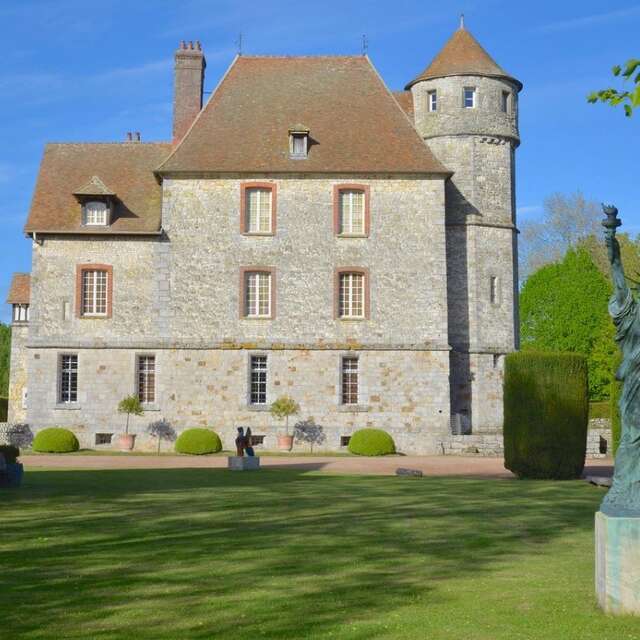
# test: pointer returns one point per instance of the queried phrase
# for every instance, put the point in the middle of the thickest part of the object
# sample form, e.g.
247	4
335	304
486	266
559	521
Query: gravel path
429	465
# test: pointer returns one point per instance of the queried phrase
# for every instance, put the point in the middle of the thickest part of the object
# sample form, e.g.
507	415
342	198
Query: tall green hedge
546	413
4	408
614	399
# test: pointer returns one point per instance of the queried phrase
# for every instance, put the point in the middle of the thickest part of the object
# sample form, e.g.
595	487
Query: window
103	438
146	366
21	313
349	380
258	210
94	292
68	376
351	210
352	302
258	294
432	98
344	441
299	145
258	391
493	289
469	100
505	102
96	213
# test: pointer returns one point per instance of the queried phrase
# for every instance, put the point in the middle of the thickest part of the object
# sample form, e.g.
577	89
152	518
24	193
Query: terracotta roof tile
405	100
126	167
462	55
355	125
94	187
20	290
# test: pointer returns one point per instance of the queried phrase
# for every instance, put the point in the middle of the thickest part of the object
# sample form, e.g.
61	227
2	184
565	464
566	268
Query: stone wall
17	399
405	392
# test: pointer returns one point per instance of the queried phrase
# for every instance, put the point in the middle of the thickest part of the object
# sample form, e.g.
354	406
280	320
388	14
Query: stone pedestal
245	463
618	563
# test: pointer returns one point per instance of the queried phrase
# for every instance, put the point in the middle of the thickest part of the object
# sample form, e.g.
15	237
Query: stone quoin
371	252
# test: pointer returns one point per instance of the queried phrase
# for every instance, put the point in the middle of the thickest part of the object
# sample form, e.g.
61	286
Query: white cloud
588	21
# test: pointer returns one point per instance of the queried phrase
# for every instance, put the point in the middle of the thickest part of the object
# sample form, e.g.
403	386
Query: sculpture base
244	463
618	563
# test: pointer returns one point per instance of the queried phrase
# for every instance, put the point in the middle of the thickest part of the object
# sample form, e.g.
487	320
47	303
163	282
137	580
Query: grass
199	553
599	410
224	453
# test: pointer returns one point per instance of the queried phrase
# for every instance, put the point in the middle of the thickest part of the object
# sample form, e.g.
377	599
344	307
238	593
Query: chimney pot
137	136
198	45
129	136
183	44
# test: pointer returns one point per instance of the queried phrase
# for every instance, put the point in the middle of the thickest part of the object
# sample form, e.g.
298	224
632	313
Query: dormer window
96	213
298	142
21	313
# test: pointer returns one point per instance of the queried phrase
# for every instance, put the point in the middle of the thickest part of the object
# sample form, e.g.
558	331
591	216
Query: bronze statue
623	499
244	443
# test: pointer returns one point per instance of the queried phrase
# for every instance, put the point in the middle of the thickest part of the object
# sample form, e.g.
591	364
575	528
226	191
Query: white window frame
347	302
253	292
347	369
258	379
472	91
346	220
96	217
71	396
432	101
90	311
304	138
21	312
146	372
256	226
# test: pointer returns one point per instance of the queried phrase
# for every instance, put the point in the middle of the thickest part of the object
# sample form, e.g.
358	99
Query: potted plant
162	430
284	407
129	405
13	468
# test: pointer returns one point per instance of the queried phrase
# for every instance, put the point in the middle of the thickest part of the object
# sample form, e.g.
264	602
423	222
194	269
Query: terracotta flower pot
285	443
126	442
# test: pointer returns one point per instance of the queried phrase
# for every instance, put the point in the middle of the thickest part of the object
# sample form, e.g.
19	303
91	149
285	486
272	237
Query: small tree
162	430
284	407
130	405
309	431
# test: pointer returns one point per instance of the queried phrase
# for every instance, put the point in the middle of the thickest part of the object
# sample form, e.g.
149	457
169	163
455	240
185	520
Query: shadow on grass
201	553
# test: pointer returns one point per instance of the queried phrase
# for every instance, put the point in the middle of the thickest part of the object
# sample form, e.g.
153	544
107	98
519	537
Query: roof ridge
306	56
125	143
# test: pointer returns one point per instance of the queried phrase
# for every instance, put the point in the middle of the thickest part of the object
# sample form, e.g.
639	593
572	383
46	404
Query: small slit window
504	105
469	98
493	290
432	100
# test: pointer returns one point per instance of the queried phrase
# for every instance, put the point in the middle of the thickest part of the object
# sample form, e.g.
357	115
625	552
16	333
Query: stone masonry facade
440	256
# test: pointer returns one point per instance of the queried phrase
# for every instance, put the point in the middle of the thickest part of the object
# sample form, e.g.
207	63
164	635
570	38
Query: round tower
466	109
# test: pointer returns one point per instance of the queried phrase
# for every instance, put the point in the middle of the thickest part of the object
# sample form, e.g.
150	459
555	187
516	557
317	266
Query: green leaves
614	97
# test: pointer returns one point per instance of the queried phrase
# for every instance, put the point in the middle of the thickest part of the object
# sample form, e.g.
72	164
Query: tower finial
462	20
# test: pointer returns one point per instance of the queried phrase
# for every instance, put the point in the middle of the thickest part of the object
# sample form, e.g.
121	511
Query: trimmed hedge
198	442
371	442
546	413
614	404
4	409
55	440
10	453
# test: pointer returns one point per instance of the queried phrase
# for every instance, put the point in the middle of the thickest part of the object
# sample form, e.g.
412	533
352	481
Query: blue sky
81	70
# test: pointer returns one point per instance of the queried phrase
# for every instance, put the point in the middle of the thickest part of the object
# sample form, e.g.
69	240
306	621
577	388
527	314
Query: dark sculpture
244	443
623	499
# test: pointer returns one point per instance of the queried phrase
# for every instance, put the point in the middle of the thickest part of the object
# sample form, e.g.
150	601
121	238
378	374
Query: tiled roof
405	100
94	187
125	167
355	125
462	55
20	290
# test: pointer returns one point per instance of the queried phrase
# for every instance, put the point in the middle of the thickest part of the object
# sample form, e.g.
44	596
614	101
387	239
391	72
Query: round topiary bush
198	442
55	440
371	442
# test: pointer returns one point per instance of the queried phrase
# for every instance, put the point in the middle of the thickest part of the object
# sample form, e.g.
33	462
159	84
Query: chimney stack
188	86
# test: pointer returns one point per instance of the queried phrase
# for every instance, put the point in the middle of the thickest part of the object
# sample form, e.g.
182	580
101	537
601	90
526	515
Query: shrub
614	404
4	409
10	453
371	442
198	442
546	412
55	440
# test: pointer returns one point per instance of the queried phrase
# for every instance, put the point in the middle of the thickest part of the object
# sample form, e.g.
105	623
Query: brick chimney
188	84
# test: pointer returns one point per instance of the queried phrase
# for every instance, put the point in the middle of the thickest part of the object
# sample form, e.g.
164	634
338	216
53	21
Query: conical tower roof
463	55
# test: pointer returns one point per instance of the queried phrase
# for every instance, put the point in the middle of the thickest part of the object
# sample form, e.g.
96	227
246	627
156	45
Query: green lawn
198	553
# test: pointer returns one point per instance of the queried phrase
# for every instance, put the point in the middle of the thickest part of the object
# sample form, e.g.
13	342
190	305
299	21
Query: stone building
307	232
